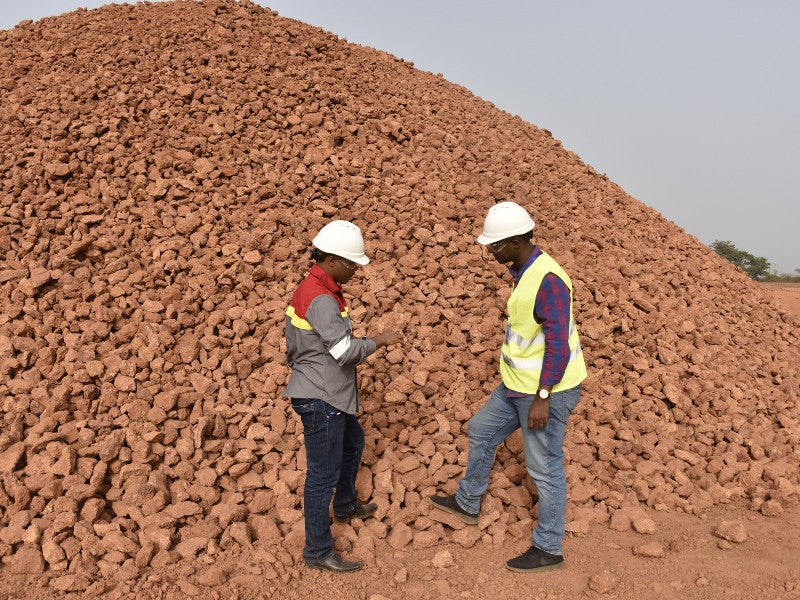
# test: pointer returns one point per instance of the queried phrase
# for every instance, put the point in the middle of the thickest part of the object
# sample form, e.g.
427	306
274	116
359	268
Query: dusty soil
696	564
787	295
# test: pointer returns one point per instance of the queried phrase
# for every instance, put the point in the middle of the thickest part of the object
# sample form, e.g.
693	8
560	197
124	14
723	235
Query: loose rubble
164	167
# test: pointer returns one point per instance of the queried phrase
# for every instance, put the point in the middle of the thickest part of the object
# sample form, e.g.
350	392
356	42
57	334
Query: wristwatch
543	394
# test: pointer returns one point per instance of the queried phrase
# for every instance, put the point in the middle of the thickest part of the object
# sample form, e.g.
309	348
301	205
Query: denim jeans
544	457
334	442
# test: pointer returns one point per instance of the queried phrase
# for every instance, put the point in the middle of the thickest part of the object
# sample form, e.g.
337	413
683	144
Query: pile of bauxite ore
164	168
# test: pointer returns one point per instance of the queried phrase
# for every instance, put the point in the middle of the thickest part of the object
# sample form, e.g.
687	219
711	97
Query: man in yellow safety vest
542	367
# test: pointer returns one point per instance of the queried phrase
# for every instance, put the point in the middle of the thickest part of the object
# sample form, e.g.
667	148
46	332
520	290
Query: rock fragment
732	531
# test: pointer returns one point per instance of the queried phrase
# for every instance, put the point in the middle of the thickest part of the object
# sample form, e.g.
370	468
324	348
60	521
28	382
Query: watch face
544	394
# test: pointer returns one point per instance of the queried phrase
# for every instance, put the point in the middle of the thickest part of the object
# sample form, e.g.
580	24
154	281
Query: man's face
342	269
504	251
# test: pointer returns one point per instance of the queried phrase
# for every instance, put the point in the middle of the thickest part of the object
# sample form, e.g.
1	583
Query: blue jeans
544	457
334	442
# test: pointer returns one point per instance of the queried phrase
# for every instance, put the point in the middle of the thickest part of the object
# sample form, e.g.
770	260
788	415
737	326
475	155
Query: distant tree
757	267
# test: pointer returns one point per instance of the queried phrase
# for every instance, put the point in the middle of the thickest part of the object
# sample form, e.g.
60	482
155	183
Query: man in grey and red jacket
323	355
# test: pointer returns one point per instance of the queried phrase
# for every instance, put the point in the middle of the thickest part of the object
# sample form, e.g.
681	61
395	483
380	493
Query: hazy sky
692	107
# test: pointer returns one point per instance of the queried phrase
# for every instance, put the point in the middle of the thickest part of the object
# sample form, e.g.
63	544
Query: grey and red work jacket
320	347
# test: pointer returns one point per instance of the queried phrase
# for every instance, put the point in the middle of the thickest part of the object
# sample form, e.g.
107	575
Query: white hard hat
342	238
505	220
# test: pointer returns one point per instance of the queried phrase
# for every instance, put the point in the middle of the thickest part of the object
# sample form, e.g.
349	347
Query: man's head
507	232
339	250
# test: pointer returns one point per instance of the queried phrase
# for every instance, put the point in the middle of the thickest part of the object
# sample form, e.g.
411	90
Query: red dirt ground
602	564
787	295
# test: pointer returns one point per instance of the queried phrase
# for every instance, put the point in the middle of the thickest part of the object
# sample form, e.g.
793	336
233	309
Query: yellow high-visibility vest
522	354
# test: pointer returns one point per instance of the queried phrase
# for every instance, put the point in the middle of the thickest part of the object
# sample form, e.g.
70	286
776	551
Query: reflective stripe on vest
512	337
536	363
522	354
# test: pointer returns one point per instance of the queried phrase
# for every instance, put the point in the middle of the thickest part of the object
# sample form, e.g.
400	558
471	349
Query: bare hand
538	413
387	338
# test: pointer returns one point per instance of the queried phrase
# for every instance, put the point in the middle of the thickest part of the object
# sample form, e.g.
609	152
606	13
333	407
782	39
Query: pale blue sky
692	107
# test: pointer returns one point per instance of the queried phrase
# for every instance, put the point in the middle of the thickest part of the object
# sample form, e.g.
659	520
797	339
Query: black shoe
361	511
535	560
449	504
334	562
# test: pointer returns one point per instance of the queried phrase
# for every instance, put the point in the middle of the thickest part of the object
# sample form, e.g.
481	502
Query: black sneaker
449	504
535	560
361	511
